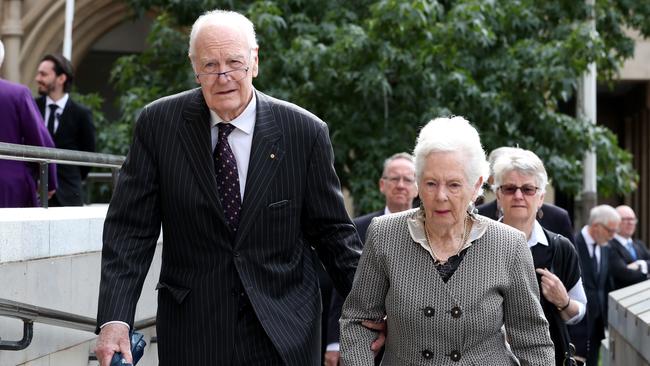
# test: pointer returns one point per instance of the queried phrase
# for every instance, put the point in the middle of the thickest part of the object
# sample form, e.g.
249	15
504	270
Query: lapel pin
272	156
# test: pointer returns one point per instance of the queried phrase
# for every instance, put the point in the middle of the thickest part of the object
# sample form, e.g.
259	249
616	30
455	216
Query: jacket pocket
178	293
278	204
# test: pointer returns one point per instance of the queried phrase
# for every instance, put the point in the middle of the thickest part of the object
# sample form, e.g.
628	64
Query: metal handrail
48	155
31	314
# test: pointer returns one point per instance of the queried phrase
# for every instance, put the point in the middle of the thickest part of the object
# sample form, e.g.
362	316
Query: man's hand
113	338
380	327
332	358
633	266
552	288
50	193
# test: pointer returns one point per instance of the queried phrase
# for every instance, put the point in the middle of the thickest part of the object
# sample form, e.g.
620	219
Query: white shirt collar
588	239
60	103
244	122
537	236
621	239
387	211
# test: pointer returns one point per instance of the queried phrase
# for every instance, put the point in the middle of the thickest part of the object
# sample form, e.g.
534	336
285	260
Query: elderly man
397	184
243	184
629	258
591	244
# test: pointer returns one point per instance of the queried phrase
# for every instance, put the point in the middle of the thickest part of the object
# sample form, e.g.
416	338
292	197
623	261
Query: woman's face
515	199
444	189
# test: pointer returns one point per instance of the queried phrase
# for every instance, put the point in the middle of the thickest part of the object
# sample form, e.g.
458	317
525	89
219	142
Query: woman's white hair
223	17
453	134
522	161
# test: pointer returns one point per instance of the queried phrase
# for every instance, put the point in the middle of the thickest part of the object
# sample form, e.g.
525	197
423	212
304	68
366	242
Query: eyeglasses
609	231
526	189
631	220
395	180
230	75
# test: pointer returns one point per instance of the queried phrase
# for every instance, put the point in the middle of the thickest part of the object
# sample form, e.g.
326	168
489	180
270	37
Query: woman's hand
553	289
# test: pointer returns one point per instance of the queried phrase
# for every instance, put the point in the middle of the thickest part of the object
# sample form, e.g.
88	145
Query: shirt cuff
336	347
114	322
643	266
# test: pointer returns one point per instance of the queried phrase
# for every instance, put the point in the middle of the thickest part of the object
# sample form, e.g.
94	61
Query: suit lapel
267	152
583	254
194	133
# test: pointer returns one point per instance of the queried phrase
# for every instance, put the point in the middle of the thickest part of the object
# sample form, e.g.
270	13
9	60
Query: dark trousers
252	345
593	345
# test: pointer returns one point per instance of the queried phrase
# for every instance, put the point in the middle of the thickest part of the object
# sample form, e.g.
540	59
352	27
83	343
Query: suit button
428	311
455	356
427	354
456	312
235	254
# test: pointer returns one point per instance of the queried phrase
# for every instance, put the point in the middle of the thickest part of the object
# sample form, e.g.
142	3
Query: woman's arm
365	302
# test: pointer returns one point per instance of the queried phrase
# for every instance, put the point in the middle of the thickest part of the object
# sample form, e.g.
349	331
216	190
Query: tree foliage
376	71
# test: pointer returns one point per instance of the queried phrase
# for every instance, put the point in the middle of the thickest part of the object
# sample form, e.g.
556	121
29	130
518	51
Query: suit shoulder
552	209
367	217
174	100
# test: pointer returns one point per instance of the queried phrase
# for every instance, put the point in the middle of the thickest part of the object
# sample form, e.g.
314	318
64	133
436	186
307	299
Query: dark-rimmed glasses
609	231
526	189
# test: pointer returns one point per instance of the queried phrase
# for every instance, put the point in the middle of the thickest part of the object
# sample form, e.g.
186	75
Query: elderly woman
447	280
519	182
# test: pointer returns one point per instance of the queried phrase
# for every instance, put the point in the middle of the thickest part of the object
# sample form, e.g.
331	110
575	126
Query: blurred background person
551	217
69	123
21	124
519	182
593	251
629	258
397	184
447	280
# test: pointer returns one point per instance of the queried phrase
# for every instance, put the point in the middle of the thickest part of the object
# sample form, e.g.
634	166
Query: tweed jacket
435	323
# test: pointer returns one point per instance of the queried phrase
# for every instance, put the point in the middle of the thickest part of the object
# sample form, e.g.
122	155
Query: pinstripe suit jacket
292	201
494	285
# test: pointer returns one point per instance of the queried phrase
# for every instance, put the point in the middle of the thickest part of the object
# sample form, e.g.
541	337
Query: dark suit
620	257
333	329
75	132
591	329
20	123
209	274
555	219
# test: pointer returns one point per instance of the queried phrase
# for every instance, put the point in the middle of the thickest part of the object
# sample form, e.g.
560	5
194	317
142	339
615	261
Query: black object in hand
137	350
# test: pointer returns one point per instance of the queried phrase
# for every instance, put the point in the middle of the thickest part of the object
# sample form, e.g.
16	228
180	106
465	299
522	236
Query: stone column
12	34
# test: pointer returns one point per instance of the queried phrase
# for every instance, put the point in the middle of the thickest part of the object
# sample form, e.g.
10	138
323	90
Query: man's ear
255	62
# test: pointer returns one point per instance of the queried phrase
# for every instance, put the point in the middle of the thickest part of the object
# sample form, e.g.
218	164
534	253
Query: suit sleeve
526	327
622	275
326	224
131	229
366	301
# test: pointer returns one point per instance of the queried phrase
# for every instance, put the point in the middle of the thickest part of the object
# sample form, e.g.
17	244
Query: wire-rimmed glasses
230	75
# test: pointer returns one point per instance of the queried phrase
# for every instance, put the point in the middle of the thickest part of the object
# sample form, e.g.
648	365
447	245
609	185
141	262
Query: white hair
453	134
2	52
401	155
526	162
603	214
227	18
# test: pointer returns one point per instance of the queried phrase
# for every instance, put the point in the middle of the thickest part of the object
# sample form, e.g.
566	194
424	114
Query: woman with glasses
446	279
519	181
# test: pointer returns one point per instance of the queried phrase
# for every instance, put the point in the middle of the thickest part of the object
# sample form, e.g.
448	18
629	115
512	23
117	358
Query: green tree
376	71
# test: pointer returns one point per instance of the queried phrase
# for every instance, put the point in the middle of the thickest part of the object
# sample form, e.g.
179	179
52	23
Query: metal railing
46	155
31	314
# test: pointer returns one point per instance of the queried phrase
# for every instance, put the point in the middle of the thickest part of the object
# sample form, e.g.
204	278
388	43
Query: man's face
628	221
219	49
398	185
47	79
605	232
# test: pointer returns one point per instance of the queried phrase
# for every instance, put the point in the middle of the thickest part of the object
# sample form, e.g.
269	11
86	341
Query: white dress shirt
628	243
60	103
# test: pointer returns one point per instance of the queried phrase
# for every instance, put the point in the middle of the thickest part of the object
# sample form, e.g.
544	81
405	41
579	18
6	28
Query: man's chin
42	92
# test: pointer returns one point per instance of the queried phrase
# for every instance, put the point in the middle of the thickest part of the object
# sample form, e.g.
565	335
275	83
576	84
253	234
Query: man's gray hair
400	155
525	162
603	214
223	17
453	134
2	52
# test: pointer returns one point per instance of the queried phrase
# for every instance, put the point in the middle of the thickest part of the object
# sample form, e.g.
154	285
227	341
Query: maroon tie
227	177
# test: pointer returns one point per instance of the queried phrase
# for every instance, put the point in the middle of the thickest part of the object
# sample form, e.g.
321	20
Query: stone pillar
12	34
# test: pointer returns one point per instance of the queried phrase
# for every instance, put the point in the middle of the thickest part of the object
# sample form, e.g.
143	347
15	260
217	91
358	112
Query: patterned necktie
50	119
225	167
630	248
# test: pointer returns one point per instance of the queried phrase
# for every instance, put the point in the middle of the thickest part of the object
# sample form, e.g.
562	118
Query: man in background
629	257
397	184
593	252
69	123
20	123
